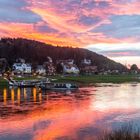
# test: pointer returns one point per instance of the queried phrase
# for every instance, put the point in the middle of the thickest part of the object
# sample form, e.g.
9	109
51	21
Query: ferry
44	84
58	86
27	83
22	84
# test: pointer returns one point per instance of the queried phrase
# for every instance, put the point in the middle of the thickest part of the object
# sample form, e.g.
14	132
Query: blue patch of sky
121	27
13	11
94	4
87	20
45	29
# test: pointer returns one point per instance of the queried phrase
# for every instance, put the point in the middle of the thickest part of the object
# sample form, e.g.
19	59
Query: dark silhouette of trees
36	53
134	67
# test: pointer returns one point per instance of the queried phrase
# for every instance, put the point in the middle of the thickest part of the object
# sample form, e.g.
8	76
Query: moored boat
59	86
26	83
22	84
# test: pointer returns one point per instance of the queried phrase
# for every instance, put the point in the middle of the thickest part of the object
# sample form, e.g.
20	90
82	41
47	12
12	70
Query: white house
70	69
22	68
40	70
86	61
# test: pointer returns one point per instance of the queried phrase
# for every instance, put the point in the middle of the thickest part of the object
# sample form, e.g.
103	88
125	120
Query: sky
108	27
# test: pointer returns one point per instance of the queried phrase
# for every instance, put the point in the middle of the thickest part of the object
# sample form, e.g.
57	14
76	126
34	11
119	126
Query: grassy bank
100	79
26	78
3	82
85	80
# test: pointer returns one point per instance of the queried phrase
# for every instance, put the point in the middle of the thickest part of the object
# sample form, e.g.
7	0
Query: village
48	68
21	67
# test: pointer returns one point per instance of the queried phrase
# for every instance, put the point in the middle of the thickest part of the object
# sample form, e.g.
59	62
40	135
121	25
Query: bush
125	132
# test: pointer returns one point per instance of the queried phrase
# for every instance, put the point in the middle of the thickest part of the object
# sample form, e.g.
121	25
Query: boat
26	83
59	86
44	84
22	84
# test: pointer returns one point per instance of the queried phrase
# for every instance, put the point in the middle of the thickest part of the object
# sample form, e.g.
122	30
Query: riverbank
83	80
99	79
3	82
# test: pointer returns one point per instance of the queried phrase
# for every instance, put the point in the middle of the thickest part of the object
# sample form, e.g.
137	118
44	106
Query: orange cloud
28	31
65	18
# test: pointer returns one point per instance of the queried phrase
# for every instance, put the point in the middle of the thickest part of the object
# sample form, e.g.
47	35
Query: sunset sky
108	27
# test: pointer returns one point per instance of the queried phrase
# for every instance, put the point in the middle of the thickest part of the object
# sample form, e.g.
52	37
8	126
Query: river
28	114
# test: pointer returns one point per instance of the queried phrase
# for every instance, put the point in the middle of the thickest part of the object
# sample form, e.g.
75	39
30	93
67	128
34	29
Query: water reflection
25	94
12	96
5	96
40	97
18	96
32	115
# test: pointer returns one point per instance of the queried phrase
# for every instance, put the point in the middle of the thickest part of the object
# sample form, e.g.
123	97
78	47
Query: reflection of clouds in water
127	116
41	125
79	114
125	96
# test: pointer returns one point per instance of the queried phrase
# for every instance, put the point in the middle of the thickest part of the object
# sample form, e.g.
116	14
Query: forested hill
36	53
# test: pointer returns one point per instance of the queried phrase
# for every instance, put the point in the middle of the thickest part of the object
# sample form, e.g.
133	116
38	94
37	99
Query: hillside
36	53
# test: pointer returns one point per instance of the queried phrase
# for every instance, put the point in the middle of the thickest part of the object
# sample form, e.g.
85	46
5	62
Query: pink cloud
63	16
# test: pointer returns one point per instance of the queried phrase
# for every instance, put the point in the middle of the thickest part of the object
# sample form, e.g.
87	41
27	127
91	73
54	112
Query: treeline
37	52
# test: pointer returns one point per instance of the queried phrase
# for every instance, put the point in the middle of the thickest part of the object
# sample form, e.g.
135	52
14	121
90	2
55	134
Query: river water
28	114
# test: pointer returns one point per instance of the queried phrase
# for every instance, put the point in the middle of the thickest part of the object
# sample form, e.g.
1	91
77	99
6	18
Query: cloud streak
78	23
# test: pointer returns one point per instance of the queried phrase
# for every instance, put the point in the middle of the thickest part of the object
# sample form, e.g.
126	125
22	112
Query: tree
3	65
134	67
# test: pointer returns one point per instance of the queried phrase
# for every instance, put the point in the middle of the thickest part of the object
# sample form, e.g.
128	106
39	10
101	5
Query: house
134	71
41	70
87	67
22	68
70	68
86	62
89	70
115	72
